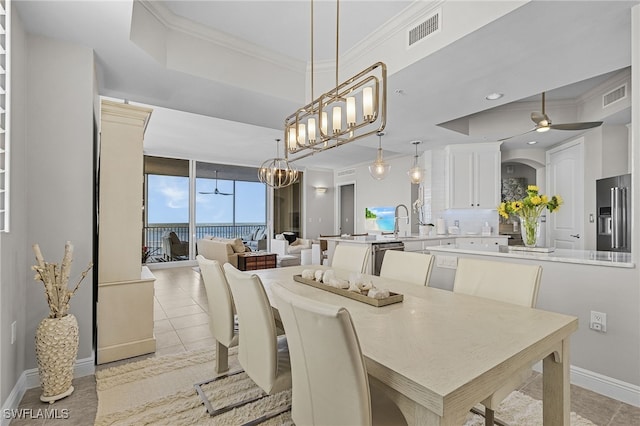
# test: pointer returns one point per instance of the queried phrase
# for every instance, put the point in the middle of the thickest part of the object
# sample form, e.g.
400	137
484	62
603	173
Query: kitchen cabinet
472	176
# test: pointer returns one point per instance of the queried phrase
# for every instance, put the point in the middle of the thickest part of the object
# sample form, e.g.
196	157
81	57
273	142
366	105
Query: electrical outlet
598	321
13	332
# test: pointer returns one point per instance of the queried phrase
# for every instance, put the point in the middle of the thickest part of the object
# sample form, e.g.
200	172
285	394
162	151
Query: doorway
346	201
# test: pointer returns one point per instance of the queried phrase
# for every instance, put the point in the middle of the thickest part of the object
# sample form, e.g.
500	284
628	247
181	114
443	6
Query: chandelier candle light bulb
337	119
351	111
311	125
367	102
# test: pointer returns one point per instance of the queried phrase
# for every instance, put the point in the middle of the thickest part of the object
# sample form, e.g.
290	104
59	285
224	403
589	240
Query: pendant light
416	173
379	169
278	172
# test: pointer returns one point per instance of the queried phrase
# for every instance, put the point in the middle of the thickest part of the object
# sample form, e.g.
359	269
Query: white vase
56	352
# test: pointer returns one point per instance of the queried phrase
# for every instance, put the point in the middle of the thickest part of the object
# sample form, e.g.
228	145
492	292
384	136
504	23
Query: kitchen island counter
584	257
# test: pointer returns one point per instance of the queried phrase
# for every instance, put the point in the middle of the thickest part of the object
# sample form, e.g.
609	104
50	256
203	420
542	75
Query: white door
565	177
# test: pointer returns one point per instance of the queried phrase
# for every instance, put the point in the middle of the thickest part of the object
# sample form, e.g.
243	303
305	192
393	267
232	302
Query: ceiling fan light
543	128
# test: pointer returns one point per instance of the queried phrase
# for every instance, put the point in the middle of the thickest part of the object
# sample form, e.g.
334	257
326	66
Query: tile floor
181	325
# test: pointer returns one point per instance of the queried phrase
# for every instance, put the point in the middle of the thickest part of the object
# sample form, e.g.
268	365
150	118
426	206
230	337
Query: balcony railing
153	234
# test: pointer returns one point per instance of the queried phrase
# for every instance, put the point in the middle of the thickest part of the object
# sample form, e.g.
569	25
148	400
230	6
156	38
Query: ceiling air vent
421	31
615	95
347	172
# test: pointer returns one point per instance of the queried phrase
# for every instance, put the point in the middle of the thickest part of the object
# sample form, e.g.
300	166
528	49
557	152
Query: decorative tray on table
393	297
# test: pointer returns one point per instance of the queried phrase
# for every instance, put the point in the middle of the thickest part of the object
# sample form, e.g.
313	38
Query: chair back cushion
174	238
351	257
407	266
329	377
515	283
257	351
221	308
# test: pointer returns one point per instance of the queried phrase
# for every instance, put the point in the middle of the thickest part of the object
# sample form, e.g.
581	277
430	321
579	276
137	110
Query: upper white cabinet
473	176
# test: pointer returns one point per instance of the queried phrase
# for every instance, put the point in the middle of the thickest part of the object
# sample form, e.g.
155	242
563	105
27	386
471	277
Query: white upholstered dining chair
407	266
330	381
351	257
515	283
261	352
221	322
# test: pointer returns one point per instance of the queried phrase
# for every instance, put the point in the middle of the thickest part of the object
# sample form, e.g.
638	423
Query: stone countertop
584	257
390	239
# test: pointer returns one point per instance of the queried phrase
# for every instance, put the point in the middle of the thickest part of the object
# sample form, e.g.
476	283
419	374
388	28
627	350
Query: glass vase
530	230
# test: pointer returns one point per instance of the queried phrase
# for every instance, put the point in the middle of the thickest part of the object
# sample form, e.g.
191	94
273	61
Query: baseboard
14	398
30	379
604	385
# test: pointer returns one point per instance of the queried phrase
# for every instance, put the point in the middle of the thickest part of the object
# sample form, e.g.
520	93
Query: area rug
159	391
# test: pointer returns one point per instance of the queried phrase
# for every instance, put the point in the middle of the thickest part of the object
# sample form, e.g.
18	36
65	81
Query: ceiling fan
543	123
216	191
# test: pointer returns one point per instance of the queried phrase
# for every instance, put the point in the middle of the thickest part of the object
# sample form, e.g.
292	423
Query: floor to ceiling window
227	201
166	210
230	202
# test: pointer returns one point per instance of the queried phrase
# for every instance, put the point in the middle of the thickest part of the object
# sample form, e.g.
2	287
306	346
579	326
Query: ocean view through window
228	202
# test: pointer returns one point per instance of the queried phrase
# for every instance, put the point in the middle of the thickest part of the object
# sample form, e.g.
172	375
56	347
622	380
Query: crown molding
174	22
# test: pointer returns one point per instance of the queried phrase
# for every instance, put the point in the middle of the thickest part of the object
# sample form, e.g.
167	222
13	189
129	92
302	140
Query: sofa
257	239
221	249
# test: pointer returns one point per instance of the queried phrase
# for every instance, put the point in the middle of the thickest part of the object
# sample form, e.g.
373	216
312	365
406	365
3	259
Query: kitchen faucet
396	228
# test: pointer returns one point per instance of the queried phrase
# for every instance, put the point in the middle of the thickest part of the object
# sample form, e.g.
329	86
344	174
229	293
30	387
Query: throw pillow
238	245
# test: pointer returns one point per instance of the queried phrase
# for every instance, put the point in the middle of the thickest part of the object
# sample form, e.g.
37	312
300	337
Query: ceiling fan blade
577	126
206	193
520	134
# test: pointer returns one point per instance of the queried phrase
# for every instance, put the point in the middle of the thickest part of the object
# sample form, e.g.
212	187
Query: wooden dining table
436	354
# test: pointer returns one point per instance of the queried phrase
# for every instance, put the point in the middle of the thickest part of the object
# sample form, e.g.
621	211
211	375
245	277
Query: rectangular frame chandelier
333	119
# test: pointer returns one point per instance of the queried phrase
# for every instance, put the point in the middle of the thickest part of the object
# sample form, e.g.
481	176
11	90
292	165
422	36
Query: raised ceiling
224	112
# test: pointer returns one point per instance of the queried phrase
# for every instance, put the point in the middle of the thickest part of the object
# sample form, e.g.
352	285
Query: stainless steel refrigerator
613	204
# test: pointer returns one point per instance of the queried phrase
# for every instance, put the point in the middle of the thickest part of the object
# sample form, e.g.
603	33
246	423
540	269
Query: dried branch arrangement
55	279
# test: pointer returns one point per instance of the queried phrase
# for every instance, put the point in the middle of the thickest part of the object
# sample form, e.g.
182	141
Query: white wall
59	185
14	273
319	207
393	190
615	153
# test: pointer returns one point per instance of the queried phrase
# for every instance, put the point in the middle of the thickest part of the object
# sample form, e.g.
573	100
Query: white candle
337	119
302	134
292	138
351	111
367	102
311	129
324	123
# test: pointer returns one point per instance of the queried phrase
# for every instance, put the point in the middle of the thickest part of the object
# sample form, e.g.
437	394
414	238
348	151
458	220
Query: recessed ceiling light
494	96
532	142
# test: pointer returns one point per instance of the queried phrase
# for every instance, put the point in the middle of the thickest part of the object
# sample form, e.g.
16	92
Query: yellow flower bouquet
529	210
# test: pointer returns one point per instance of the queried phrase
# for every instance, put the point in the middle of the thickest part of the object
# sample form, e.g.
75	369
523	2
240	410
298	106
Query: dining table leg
556	387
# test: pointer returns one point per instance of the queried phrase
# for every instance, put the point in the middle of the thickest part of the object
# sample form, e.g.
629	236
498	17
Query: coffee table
250	261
